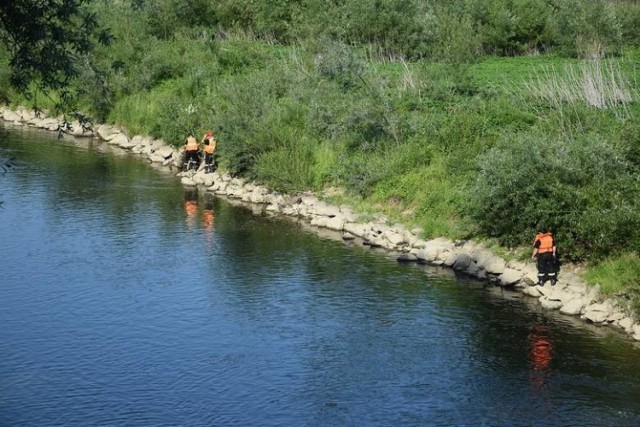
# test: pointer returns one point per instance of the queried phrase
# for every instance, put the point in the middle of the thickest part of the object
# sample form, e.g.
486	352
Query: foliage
583	190
287	165
46	39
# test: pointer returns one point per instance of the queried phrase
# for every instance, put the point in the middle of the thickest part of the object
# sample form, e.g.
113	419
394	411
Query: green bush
176	120
288	166
397	27
581	28
629	16
455	39
339	63
514	27
582	189
360	173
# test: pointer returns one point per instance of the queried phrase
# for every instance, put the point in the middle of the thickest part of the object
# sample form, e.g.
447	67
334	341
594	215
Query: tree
46	39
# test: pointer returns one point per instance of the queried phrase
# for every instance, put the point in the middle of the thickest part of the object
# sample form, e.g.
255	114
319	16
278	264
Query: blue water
126	300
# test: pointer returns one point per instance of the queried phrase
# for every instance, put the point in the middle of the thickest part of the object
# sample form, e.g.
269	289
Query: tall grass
595	83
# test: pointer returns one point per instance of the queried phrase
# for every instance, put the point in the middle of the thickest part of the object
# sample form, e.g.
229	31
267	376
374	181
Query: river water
126	300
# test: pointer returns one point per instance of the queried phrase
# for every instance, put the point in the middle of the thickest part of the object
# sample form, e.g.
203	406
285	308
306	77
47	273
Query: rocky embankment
571	295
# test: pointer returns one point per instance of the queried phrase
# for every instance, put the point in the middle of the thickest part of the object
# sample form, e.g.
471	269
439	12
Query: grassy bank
484	132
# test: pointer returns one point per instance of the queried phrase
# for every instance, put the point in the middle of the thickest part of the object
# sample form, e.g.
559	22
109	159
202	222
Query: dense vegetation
467	118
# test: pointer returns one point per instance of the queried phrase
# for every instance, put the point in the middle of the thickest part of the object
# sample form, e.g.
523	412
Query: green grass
616	275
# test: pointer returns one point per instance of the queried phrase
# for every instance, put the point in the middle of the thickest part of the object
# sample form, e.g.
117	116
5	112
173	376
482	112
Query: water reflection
190	210
540	356
208	220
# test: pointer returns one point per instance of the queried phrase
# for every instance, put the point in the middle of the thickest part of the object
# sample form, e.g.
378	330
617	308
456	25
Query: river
127	300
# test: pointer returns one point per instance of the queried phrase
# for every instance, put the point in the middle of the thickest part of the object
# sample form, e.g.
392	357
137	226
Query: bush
512	27
585	29
456	39
339	63
583	190
287	166
176	121
397	27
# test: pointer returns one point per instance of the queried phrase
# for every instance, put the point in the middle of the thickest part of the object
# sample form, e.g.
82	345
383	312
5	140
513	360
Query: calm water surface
126	300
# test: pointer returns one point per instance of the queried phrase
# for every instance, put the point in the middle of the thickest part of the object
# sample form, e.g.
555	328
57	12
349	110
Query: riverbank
571	296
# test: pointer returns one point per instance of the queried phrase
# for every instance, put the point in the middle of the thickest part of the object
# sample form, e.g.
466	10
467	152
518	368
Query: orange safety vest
192	144
211	147
546	242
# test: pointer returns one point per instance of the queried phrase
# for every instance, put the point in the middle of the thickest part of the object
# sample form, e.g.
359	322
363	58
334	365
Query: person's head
543	229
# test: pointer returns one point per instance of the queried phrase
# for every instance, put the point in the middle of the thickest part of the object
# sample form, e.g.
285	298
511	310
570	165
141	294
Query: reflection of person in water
191	208
540	356
191	211
207	219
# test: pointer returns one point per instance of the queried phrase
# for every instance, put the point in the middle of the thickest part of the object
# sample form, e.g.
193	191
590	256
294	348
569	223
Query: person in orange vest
210	145
191	150
544	251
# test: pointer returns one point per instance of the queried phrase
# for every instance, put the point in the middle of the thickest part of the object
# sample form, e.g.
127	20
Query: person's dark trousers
546	268
192	155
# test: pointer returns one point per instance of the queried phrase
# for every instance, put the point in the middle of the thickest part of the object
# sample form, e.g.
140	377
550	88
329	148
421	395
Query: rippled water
127	301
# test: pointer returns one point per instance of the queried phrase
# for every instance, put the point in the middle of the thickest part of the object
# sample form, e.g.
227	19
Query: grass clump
619	276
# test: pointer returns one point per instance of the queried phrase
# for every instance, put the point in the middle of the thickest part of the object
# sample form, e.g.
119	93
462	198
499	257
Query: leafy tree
46	40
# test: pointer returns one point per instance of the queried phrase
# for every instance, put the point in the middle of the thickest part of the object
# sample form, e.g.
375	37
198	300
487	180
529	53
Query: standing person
544	250
191	150
210	145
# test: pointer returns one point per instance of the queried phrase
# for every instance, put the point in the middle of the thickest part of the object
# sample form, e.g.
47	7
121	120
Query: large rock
107	132
119	139
597	313
324	209
627	324
11	116
494	265
545	302
164	152
356	229
458	261
393	237
532	291
336	223
432	250
573	307
510	277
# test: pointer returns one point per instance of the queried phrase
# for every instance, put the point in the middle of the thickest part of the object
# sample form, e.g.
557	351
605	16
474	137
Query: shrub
287	166
455	38
339	63
176	121
583	190
585	29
